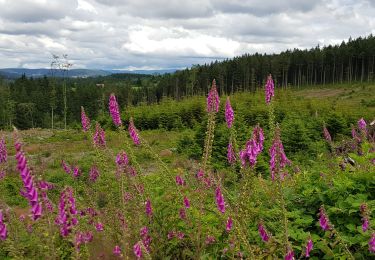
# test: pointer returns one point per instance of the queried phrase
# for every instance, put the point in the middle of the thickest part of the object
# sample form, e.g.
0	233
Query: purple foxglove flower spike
231	154
186	202
122	159
269	89
99	136
76	172
94	173
229	114
323	219
180	235
84	120
289	255
30	192
3	228
365	224
371	243
327	135
117	251
213	100
200	174
362	125
229	224
66	218
137	250
210	240
263	232
258	136
148	208
99	226
278	159
309	247
133	132
114	110
3	151
66	167
182	213
220	200
180	181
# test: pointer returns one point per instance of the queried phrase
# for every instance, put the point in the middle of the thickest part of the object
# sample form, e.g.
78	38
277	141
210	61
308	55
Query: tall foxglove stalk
84	120
3	151
133	132
229	114
269	89
30	191
114	110
213	102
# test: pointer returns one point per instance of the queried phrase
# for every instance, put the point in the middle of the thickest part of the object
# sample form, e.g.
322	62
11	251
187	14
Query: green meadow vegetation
166	200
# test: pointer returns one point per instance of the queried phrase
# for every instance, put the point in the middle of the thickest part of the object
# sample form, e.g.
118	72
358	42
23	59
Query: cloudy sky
160	34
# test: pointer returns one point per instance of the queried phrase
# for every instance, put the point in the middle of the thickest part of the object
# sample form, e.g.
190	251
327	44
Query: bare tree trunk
52	118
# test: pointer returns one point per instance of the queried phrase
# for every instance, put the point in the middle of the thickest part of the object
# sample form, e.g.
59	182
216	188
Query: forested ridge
55	102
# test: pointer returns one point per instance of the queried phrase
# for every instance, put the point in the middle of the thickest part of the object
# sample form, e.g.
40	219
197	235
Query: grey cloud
162	9
166	34
264	7
35	11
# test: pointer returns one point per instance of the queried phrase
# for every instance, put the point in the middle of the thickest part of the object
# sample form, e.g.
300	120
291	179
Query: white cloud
170	33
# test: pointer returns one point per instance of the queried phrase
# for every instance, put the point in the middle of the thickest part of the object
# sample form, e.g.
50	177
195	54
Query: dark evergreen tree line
28	102
351	61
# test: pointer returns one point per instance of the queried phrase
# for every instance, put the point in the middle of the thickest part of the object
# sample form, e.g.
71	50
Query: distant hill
13	73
